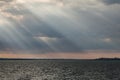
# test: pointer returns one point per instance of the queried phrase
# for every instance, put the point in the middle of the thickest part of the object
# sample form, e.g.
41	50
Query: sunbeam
59	26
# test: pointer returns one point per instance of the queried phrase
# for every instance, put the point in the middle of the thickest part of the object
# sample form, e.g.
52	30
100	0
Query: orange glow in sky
85	55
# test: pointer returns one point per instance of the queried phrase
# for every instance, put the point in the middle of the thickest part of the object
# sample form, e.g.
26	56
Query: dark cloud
6	0
111	1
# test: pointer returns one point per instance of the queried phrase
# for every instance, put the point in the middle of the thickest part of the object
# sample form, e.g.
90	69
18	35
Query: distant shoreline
59	59
39	59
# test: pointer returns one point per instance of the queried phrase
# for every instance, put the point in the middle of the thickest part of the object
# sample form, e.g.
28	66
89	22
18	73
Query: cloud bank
111	1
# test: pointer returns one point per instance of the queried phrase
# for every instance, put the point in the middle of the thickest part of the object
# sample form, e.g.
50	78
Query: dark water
59	70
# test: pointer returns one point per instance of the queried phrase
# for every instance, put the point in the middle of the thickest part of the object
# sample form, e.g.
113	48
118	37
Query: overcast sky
64	27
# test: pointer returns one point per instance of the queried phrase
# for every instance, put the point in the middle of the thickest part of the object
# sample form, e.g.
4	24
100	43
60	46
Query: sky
77	29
